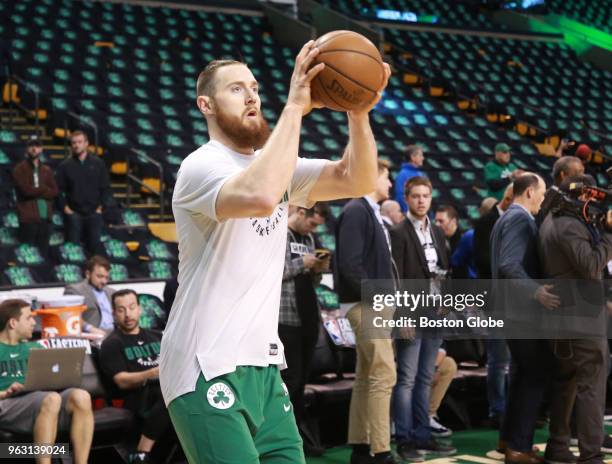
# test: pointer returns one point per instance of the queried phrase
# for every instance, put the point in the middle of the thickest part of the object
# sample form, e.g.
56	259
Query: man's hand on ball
379	94
303	74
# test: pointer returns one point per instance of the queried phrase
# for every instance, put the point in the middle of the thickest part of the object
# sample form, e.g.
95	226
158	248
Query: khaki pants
445	375
370	410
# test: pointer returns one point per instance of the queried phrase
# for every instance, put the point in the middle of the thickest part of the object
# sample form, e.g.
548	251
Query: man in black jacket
84	189
420	252
570	248
362	254
565	167
482	234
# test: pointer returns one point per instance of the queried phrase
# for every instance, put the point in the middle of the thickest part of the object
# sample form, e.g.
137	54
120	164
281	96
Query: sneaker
408	452
433	447
559	456
437	429
606	446
573	441
139	457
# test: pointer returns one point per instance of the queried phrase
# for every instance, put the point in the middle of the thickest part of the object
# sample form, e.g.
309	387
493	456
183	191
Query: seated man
40	413
98	318
130	357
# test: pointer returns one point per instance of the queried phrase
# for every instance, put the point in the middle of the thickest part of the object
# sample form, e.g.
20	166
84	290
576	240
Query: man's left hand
374	102
322	265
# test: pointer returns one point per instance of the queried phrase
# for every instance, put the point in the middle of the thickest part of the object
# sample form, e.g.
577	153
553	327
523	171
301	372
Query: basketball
353	72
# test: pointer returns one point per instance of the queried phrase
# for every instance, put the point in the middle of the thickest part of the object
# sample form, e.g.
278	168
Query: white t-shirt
225	313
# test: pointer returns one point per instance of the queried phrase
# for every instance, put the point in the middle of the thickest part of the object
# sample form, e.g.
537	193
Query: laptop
54	369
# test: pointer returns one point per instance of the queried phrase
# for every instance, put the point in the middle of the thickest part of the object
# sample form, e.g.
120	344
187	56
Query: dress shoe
564	456
518	457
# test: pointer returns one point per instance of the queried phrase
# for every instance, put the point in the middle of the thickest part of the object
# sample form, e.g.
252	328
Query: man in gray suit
514	256
98	318
571	248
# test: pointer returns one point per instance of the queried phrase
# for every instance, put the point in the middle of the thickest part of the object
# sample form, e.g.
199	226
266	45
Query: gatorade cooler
61	316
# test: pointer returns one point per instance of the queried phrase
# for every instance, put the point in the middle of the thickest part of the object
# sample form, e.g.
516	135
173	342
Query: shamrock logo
220	396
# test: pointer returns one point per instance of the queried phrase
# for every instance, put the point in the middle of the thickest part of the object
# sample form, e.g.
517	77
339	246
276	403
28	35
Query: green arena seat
68	273
18	276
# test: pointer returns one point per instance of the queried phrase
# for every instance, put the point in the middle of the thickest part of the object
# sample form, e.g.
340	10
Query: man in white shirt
220	351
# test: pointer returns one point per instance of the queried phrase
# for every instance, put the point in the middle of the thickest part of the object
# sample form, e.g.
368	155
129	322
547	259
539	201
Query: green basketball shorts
244	417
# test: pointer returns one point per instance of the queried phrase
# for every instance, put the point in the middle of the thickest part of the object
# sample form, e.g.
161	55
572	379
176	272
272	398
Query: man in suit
98	318
420	252
572	249
514	256
363	254
498	356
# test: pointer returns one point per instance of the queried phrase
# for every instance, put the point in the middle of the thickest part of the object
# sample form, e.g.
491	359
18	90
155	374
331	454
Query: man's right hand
13	389
546	298
309	260
67	210
299	90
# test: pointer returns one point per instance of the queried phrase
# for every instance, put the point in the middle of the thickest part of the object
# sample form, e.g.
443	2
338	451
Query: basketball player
220	353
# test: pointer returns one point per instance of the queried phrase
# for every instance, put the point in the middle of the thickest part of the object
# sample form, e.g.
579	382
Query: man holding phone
298	323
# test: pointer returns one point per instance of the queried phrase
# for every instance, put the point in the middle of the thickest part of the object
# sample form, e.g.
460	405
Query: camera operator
572	246
568	166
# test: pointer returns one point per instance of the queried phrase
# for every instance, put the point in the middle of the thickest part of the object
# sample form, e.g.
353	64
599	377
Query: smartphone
322	253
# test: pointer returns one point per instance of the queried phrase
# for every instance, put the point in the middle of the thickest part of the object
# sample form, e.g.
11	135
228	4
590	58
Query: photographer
568	166
573	246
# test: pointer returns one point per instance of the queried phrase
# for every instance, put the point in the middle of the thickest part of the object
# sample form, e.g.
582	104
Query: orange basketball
353	72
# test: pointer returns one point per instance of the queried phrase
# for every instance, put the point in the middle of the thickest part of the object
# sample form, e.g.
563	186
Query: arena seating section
131	70
596	14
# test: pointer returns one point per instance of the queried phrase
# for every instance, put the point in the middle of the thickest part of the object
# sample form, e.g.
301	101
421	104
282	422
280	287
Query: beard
243	133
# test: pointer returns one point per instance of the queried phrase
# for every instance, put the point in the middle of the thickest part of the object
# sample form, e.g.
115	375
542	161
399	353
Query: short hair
78	132
415	182
320	208
386	206
562	165
122	293
486	205
412	149
451	211
523	182
205	84
11	309
383	164
97	260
